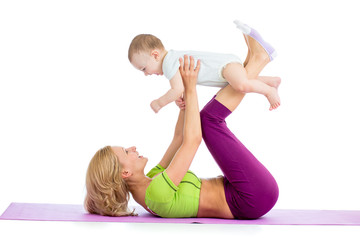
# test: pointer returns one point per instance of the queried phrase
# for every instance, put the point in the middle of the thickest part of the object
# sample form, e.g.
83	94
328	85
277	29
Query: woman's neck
138	189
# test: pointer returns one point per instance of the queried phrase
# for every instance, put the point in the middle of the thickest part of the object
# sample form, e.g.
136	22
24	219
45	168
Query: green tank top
163	198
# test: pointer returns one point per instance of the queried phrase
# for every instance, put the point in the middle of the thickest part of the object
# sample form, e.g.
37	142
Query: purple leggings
250	190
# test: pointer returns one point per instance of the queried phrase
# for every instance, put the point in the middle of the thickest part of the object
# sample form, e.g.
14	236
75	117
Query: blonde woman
246	191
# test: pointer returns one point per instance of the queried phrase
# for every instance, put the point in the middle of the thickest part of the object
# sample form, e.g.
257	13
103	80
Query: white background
68	89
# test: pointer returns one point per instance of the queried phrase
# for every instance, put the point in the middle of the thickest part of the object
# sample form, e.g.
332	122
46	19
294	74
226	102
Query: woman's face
130	160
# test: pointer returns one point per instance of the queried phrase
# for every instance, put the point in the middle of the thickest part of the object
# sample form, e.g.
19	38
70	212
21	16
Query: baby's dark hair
144	43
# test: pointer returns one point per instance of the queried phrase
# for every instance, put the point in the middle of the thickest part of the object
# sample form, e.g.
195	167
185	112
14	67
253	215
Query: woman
246	191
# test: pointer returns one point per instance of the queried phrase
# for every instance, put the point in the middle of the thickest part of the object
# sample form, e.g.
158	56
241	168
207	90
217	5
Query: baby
147	54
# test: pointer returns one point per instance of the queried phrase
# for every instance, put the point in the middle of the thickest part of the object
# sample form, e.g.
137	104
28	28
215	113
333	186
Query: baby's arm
177	88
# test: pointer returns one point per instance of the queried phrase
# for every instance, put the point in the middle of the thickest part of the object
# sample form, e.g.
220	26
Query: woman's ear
126	174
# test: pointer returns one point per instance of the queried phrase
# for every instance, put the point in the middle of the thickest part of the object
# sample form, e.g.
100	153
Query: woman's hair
144	43
107	192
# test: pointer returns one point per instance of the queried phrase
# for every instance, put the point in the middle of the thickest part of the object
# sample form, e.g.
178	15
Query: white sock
243	27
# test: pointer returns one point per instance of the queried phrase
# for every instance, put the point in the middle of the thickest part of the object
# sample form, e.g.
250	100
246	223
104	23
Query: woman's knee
207	115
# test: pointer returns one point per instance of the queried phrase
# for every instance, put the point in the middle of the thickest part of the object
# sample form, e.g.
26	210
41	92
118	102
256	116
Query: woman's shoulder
155	171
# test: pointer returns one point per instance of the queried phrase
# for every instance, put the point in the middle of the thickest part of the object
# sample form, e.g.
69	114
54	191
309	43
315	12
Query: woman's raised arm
176	141
192	126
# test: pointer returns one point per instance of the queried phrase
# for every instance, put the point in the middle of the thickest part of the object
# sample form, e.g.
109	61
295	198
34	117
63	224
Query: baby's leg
237	77
271	81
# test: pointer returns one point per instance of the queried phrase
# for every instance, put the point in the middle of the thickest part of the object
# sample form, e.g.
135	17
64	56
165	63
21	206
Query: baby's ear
155	53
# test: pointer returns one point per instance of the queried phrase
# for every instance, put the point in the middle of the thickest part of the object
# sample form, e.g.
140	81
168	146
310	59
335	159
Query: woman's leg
250	189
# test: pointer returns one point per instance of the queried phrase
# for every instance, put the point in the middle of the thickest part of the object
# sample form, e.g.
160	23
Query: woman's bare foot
273	98
257	58
257	61
256	36
248	53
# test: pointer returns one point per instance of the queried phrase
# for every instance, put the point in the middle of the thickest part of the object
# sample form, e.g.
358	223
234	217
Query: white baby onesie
211	67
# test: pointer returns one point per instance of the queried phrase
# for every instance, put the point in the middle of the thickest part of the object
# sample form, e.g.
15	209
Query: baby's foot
273	98
255	35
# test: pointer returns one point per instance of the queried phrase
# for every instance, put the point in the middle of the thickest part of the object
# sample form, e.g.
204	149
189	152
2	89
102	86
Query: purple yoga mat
76	213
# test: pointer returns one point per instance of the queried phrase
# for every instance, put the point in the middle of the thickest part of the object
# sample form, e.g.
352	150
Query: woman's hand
188	73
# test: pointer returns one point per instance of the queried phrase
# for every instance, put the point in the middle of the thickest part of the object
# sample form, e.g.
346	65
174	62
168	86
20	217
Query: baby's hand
155	106
180	103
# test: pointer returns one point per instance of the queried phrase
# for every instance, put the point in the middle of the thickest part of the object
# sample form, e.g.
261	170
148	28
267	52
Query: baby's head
146	53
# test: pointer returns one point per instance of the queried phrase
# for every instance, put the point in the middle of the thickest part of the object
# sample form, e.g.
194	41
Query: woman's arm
175	143
192	126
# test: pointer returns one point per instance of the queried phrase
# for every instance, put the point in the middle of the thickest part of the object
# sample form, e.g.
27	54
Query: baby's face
147	63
